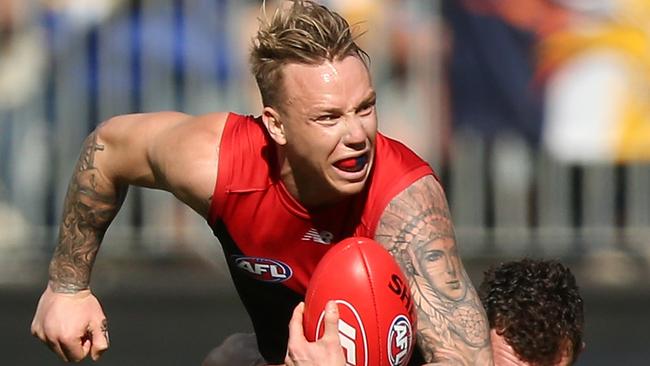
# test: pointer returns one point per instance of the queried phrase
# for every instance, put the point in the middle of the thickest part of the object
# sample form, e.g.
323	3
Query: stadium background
478	88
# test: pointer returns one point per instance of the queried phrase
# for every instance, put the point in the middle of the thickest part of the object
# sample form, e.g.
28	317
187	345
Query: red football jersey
271	242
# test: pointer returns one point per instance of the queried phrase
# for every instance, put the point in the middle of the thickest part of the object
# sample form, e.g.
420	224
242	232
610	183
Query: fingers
53	344
100	340
296	331
288	361
72	325
324	351
72	349
331	332
56	348
94	343
297	340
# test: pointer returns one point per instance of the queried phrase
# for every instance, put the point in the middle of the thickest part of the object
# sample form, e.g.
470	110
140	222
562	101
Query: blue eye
433	255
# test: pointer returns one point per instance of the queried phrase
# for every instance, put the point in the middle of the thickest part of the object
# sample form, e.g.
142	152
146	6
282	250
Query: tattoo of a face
90	205
416	228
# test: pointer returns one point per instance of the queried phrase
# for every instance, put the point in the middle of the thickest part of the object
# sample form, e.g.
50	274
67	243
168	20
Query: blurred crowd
570	75
565	78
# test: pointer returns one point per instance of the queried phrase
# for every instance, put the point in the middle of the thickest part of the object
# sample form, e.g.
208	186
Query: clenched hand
72	325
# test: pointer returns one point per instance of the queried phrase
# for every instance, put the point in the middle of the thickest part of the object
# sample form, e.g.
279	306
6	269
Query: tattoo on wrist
65	288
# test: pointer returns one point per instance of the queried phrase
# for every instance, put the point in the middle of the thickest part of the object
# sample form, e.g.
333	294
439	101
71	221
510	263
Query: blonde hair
305	33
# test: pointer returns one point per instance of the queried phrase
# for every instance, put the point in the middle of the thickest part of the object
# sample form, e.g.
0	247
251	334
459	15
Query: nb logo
323	237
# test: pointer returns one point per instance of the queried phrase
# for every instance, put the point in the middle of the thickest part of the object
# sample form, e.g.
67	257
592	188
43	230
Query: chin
350	189
350	185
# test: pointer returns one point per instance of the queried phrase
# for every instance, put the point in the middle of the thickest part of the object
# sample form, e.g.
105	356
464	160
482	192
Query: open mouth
352	164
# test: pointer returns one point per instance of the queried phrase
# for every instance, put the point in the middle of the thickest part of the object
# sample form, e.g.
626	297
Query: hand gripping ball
377	317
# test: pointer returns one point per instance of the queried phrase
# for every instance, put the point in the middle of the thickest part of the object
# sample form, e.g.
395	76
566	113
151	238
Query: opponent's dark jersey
272	243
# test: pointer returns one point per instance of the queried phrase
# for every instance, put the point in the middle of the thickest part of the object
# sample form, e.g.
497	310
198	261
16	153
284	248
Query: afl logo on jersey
263	269
400	341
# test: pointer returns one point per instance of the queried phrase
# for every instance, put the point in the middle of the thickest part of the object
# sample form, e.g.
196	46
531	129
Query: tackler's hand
324	351
72	325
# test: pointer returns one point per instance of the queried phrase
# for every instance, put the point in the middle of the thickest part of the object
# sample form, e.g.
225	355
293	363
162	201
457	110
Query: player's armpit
416	228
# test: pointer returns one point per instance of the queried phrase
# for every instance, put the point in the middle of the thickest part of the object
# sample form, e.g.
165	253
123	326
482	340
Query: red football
377	317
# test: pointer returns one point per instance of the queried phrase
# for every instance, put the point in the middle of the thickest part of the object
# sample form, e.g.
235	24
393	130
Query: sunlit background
534	113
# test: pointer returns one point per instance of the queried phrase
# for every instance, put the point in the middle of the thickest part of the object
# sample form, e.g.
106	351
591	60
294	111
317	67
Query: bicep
416	228
170	151
127	142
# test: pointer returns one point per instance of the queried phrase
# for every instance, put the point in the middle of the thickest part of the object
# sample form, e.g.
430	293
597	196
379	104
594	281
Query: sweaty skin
329	116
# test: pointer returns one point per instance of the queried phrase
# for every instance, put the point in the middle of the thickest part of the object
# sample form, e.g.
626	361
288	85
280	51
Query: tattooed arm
416	228
90	205
168	150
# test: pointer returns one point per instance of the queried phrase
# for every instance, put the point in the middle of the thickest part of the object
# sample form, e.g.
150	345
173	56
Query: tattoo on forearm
90	205
416	228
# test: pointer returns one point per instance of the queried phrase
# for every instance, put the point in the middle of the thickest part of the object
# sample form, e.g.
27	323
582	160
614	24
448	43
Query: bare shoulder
159	127
138	128
191	135
172	151
186	158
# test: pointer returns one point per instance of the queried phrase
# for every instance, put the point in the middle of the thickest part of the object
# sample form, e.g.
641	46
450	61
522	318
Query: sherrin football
377	317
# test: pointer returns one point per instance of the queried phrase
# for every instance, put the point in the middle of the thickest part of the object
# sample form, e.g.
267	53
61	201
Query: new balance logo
323	237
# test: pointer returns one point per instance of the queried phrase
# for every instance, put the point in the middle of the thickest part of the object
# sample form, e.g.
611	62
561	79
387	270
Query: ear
567	357
273	124
502	351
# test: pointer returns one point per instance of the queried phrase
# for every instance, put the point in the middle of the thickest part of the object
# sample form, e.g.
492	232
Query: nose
451	269
355	135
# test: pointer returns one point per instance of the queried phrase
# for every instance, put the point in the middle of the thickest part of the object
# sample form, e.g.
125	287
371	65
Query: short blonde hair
305	33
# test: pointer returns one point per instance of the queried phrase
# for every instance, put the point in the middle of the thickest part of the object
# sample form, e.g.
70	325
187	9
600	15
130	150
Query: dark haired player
535	313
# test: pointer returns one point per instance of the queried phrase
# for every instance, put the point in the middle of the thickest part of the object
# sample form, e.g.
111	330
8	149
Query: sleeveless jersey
272	243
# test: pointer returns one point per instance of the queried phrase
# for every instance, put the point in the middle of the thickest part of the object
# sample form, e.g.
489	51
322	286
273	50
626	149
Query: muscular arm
91	203
167	150
416	228
170	151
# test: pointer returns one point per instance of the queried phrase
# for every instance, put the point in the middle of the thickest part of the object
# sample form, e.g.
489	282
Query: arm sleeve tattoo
416	228
90	205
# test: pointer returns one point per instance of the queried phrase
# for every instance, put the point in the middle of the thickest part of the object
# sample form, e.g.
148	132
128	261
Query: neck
308	192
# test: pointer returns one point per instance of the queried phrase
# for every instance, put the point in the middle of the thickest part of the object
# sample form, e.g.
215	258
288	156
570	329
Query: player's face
330	126
441	266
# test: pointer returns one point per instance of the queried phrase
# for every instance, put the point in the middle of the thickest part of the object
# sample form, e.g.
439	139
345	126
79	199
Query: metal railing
190	55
